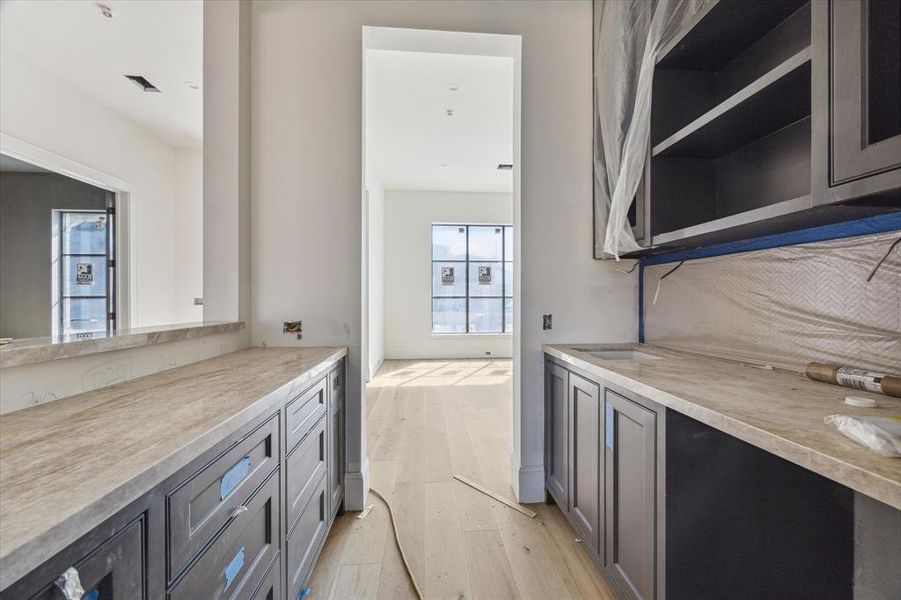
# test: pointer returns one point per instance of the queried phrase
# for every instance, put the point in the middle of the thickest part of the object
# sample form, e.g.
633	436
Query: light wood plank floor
429	420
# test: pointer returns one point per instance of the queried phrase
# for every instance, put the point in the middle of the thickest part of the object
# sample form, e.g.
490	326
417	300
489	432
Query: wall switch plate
198	301
547	322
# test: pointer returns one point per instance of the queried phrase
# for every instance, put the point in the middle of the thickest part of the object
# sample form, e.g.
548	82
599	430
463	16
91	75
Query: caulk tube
859	379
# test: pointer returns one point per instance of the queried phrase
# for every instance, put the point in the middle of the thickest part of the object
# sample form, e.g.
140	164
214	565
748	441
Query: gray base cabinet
585	459
603	461
630	466
556	444
244	521
670	508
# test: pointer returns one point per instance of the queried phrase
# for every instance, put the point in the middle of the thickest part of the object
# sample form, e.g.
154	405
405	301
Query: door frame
126	284
446	42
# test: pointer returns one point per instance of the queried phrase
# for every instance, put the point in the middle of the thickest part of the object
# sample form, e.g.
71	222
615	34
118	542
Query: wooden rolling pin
859	379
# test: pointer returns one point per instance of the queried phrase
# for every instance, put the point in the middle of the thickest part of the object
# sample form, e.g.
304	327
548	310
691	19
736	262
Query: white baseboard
528	481
356	488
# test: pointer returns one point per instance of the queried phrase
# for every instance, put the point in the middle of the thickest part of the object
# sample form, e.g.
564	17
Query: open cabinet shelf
731	121
776	100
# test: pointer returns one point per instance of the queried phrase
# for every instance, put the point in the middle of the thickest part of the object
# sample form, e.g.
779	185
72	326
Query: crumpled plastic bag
882	435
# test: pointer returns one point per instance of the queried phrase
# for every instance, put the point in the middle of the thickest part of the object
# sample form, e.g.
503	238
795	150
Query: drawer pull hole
69	584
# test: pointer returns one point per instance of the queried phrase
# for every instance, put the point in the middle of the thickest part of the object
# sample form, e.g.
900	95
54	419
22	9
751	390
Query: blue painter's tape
233	477
641	302
608	425
92	595
234	567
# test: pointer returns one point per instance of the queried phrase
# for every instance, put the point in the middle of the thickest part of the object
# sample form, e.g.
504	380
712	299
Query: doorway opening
441	234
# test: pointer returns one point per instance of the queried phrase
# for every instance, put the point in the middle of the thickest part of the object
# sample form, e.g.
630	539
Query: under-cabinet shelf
775	100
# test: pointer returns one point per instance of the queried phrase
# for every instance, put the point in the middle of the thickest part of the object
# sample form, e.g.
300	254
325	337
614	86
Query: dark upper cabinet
859	86
770	116
556	446
585	458
630	454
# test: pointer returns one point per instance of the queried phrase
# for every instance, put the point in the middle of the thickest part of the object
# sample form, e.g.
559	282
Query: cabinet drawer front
199	507
303	412
235	562
271	586
303	543
114	571
303	469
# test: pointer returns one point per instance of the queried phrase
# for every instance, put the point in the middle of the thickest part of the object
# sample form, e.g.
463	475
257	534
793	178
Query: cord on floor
403	556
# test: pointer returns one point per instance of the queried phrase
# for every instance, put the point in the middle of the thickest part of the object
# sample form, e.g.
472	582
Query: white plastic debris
882	435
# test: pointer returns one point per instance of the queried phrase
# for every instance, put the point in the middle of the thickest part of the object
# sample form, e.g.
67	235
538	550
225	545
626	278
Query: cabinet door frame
557	487
826	186
591	532
627	403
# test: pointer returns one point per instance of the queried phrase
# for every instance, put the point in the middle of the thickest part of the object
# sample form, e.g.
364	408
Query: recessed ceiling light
454	87
450	112
192	85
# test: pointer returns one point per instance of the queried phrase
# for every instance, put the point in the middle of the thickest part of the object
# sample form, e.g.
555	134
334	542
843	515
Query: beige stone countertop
776	410
68	465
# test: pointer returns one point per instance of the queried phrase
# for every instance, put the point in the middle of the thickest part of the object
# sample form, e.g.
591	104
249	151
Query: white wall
408	279
376	280
307	164
226	162
38	108
188	224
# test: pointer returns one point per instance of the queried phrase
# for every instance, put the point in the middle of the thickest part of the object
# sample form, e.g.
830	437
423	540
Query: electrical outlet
547	322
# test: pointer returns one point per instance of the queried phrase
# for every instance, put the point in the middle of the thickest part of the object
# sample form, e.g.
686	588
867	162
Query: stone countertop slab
67	466
43	349
773	409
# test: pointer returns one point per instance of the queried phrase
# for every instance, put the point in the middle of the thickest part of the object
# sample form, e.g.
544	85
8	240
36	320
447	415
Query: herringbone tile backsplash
785	306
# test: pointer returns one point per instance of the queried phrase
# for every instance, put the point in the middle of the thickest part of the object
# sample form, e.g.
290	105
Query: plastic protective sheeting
785	306
628	36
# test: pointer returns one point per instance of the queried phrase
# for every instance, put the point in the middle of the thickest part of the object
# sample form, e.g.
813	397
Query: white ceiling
409	135
12	165
161	40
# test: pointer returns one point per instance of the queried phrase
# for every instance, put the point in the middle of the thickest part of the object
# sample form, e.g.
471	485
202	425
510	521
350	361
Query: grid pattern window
83	295
472	279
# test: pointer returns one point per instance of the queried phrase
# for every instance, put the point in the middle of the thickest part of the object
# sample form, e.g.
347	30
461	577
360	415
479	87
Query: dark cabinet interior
730	120
770	116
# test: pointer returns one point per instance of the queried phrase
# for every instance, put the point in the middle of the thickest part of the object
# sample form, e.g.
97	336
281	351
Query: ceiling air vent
504	167
141	82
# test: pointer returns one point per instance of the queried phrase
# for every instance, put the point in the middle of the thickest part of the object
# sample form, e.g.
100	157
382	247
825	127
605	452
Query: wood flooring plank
446	573
489	569
357	582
